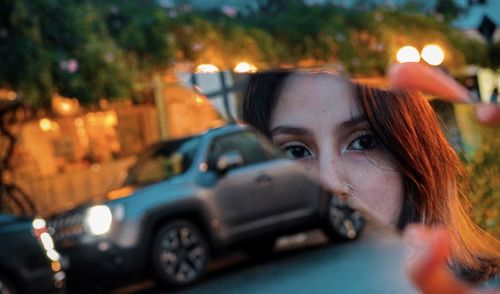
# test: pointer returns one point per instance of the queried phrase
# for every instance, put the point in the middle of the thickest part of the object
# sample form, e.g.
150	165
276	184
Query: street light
433	54
206	68
48	125
244	67
408	54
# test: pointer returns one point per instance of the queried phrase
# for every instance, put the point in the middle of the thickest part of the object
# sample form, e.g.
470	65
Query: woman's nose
334	178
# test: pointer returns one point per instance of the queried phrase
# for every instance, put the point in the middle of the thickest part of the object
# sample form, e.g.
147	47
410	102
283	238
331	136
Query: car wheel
180	253
342	223
6	286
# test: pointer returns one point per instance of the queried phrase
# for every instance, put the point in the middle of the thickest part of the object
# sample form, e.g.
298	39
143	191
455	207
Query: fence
61	191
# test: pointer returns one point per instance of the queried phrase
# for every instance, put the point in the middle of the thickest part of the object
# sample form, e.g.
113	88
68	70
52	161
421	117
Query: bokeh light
206	68
433	54
244	67
408	54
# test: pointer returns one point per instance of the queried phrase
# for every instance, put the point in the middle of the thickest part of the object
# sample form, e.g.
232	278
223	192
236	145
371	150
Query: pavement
308	263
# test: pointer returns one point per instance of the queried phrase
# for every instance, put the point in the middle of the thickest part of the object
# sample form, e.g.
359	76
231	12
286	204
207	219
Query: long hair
433	175
406	125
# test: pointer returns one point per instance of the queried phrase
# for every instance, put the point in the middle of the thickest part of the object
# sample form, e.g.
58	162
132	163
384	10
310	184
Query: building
481	20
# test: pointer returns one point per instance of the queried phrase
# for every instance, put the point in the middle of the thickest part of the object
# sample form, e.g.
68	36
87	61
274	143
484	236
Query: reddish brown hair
433	175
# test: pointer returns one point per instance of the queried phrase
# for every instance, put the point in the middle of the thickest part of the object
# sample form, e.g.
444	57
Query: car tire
180	253
342	223
6	286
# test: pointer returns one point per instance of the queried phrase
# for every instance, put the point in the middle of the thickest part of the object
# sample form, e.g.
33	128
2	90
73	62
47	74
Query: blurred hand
424	78
427	267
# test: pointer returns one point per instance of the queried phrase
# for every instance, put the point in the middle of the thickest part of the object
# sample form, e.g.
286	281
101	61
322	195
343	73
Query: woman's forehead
318	97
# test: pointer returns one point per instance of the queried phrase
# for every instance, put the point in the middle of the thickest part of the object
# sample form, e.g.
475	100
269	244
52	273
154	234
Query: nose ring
351	189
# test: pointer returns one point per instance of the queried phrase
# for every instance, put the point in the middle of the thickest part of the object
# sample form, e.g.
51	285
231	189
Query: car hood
7	219
171	187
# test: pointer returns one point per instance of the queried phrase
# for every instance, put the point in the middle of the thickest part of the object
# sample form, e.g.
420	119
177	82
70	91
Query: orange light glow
65	106
244	67
199	100
48	125
110	120
408	54
79	123
11	95
120	193
433	54
56	266
206	68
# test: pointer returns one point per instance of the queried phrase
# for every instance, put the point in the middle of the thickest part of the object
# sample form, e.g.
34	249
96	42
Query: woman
382	147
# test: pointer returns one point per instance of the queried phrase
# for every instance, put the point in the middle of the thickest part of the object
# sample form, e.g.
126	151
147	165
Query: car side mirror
229	160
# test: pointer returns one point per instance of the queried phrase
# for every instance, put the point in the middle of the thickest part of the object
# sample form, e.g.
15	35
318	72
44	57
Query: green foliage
142	29
483	169
448	8
54	47
81	49
494	52
107	48
474	51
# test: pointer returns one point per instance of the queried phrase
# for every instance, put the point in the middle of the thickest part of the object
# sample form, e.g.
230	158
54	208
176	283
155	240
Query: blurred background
86	85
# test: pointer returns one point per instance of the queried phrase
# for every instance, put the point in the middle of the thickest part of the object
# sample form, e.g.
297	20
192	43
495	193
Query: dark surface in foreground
307	263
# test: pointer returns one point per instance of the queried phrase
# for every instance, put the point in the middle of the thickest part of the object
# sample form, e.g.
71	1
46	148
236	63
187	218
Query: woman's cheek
382	191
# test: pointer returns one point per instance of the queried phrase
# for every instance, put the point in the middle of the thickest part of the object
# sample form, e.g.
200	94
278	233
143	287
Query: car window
169	160
246	143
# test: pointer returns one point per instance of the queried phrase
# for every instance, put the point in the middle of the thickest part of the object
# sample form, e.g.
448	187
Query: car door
242	195
294	192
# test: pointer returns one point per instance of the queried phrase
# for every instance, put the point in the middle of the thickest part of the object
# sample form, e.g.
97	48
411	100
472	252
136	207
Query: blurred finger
488	114
420	77
427	268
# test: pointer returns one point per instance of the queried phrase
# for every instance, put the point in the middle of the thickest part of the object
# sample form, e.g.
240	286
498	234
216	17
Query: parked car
187	200
28	261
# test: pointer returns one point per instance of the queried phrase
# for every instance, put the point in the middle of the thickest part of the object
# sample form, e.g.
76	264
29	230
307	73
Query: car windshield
164	161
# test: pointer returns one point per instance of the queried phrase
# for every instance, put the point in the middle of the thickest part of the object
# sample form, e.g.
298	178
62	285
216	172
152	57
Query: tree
51	47
12	197
483	168
448	8
88	50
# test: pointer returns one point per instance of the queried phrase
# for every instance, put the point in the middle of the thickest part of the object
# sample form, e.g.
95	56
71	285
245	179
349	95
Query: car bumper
45	281
101	263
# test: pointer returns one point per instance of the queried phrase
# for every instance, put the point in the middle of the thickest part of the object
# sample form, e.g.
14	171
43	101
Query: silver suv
190	199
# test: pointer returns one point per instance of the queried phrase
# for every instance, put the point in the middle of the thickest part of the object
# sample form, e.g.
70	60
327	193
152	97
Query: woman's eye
296	152
363	142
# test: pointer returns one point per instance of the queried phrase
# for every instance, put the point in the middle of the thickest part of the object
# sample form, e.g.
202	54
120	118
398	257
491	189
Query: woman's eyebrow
352	122
289	130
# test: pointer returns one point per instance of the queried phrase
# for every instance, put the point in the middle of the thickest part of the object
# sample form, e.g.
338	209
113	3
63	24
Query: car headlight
98	219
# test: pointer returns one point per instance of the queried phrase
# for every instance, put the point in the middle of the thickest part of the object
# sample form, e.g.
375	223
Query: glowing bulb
206	68
11	95
110	120
65	107
408	54
45	124
244	67
199	100
39	223
99	219
433	54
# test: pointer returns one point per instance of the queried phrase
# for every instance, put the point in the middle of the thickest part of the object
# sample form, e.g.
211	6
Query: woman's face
316	121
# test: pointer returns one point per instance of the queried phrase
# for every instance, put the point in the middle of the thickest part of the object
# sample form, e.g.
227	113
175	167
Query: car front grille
67	226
